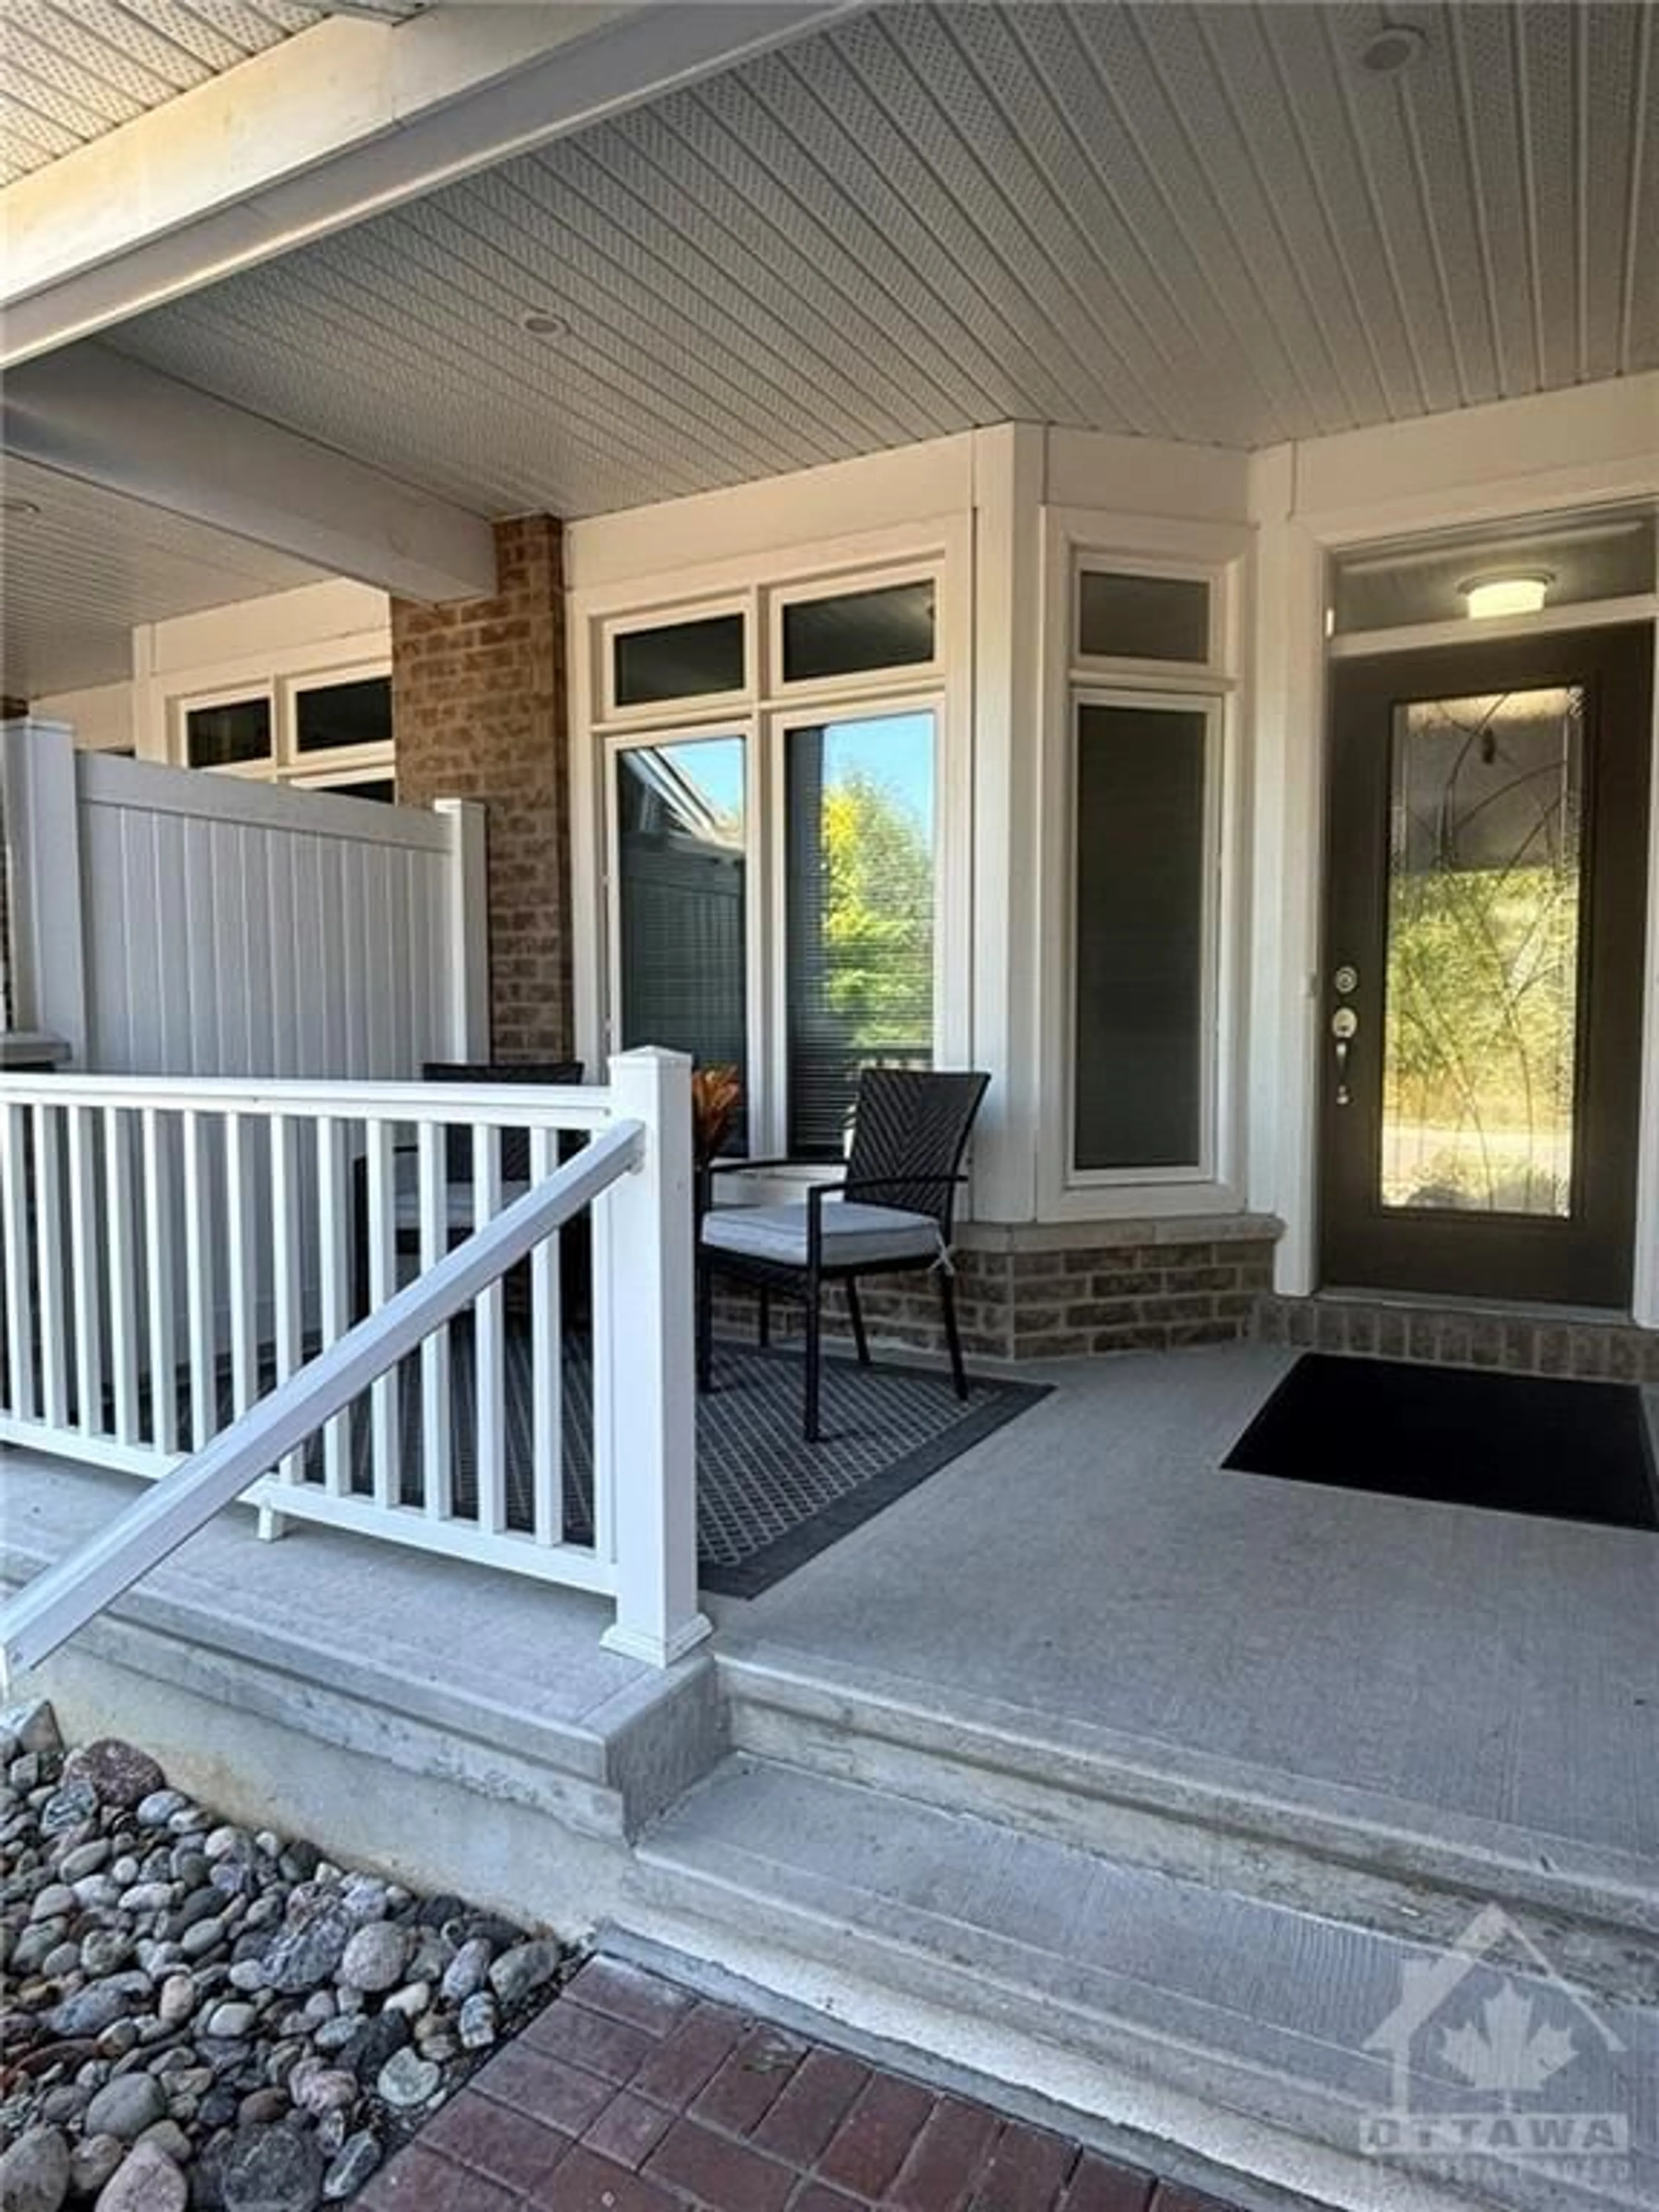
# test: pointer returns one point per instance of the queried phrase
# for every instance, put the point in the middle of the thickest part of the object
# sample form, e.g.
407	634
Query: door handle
1345	1024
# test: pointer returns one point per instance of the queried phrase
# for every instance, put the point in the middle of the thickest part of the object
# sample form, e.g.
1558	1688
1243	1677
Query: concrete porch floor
1088	1766
1091	1571
1088	1573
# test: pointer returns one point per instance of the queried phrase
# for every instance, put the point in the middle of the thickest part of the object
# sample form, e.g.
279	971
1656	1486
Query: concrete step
1404	1869
400	1708
1245	2028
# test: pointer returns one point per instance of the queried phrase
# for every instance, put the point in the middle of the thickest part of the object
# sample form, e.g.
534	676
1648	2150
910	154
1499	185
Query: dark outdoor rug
1513	1443
767	1500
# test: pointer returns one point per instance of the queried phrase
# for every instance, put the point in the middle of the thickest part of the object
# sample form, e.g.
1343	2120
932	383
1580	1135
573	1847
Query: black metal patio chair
893	1211
514	1157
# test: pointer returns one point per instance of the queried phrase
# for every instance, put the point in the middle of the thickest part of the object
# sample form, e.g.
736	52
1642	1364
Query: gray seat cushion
854	1235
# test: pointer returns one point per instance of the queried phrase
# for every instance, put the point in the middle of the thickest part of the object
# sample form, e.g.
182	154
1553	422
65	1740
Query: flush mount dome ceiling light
1517	592
20	509
543	323
1393	49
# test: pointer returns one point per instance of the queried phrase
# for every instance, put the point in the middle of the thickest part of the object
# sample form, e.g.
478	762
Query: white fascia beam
341	122
95	414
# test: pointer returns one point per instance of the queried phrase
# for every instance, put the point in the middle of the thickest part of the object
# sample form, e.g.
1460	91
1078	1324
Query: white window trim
669	615
942	547
182	706
1073	538
922	675
1092	561
281	686
332	762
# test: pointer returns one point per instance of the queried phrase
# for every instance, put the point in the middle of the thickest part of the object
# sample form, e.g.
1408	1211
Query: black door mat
1512	1443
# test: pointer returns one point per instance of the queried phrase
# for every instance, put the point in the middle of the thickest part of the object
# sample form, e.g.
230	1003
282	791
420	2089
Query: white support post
40	809
646	1422
467	966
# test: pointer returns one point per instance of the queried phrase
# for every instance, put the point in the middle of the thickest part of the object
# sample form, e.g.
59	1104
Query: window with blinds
1141	948
683	900
858	882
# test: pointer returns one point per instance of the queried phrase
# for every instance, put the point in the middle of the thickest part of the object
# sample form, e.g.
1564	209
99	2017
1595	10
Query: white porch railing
182	1267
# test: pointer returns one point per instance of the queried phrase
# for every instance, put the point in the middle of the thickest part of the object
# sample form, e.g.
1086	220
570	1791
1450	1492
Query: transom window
328	732
1132	616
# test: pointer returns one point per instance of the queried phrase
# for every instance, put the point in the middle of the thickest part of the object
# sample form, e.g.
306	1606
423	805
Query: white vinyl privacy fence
173	922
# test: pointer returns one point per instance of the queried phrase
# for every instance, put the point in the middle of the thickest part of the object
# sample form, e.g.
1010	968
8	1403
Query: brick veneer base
1036	1294
1514	1342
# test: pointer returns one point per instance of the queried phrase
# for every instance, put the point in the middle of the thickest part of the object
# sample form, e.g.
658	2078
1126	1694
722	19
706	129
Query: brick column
478	706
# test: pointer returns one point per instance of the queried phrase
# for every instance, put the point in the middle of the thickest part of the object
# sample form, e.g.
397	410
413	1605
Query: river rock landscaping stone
407	2080
126	2106
526	1968
92	2162
34	2173
373	1959
147	2180
200	2013
358	2157
120	1773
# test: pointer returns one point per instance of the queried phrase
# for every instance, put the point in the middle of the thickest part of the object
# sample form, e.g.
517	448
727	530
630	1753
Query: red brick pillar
478	709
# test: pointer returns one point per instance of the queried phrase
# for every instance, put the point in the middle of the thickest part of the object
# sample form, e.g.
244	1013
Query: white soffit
76	68
353	118
1205	222
77	576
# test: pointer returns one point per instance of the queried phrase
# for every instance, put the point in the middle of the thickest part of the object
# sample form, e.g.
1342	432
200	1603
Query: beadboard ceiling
77	576
75	68
1205	222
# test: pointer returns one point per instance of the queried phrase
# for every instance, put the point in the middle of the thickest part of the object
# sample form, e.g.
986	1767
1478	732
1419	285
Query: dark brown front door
1481	997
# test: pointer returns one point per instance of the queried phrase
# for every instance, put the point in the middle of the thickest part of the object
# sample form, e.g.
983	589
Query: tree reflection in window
1484	884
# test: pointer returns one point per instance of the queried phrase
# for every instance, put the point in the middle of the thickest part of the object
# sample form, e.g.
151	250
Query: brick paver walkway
630	2094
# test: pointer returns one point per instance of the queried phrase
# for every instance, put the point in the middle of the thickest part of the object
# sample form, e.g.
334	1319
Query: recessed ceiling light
20	507
1521	592
1390	51
541	323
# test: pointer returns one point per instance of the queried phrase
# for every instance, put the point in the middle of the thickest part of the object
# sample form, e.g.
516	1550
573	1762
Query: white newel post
468	964
645	1408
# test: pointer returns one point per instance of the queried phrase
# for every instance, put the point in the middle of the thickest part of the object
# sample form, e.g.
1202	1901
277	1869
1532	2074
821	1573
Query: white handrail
67	1594
515	1105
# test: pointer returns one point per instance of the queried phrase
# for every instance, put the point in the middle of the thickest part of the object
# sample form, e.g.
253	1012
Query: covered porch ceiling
833	231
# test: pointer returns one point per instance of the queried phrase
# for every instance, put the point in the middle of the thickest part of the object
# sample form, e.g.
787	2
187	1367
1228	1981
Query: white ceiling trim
350	120
96	416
